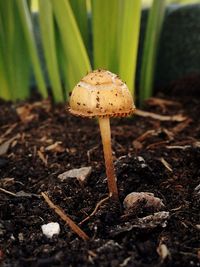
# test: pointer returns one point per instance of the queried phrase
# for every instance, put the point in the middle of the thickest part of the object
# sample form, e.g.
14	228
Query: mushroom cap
101	93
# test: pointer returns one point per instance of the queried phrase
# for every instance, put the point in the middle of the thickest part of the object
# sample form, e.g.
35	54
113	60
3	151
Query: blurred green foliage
76	36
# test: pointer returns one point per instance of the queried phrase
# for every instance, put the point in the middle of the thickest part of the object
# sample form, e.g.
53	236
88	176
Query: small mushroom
102	94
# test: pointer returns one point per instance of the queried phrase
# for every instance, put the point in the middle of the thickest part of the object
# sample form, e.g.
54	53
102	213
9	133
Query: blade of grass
104	27
77	62
28	32
128	40
48	41
151	41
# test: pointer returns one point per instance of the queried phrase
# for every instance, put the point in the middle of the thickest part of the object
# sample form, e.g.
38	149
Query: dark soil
164	161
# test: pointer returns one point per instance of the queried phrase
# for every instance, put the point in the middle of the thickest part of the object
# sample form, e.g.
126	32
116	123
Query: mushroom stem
104	124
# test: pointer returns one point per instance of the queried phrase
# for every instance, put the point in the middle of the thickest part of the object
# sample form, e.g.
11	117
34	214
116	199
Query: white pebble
81	174
50	229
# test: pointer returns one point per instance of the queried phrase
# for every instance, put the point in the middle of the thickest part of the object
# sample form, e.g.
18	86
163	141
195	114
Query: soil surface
39	141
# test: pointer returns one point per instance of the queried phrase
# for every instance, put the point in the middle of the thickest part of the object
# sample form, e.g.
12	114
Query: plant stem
104	124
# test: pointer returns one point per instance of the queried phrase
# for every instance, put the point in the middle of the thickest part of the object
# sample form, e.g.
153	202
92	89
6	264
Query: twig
162	103
154	101
154	145
75	228
155	116
95	210
147	134
8	131
7	192
178	147
166	164
6	145
181	126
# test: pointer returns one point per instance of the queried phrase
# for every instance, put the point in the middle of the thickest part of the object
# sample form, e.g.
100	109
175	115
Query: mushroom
102	94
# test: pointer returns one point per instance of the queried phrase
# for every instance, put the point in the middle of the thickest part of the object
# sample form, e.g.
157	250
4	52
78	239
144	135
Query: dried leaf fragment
5	146
56	147
25	113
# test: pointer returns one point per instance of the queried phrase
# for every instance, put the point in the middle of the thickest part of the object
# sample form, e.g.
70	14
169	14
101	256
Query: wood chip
178	117
163	251
42	157
166	164
8	131
74	227
24	113
5	146
56	147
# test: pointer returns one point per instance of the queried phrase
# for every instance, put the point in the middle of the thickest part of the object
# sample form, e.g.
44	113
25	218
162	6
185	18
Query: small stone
50	229
148	200
81	174
21	237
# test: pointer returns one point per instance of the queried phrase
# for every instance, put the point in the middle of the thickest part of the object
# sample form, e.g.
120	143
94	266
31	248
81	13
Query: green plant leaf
4	74
48	40
105	17
77	63
152	35
15	64
28	32
128	40
79	8
4	86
